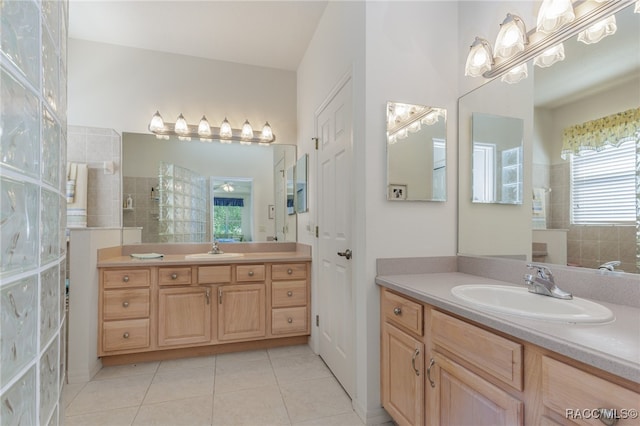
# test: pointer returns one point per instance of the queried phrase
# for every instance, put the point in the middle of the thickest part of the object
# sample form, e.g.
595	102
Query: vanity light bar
206	133
587	13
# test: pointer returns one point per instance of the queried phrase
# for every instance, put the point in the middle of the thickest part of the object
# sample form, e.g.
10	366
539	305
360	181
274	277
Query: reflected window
232	210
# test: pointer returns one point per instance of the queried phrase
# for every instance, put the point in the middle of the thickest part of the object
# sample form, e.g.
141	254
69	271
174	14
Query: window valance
598	134
224	201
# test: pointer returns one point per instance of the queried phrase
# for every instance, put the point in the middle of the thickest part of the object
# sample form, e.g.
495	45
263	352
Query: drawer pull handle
126	335
431	364
174	276
125	304
289	271
289	320
289	293
250	273
413	362
125	278
607	416
397	310
207	294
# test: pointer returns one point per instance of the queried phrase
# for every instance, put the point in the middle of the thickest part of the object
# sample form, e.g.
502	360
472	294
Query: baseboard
376	416
84	375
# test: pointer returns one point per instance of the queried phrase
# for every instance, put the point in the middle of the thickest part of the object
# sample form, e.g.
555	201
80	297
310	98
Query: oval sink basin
518	301
213	256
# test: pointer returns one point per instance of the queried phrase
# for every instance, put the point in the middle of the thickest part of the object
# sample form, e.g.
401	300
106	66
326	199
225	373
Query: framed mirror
497	159
302	176
416	152
291	193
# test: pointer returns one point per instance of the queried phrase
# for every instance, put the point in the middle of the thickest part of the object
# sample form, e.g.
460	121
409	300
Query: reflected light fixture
550	56
480	59
227	187
554	14
512	37
516	74
206	133
598	31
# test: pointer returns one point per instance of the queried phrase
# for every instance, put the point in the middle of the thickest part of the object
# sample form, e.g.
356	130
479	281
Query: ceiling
273	34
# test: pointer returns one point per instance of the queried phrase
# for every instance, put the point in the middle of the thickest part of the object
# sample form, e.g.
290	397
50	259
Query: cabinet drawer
289	320
288	293
123	335
566	387
124	304
250	273
122	278
289	271
174	276
490	353
401	311
214	274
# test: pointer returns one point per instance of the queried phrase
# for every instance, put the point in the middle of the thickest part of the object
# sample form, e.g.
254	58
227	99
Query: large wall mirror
416	152
593	82
240	183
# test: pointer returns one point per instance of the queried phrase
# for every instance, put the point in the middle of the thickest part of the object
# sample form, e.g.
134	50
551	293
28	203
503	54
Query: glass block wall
183	205
33	105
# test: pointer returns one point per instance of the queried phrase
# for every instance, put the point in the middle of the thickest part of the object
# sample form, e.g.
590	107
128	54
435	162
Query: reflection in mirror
231	209
263	165
301	183
291	191
416	152
497	159
593	82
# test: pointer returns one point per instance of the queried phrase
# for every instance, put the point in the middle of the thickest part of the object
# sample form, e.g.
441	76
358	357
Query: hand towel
72	171
77	210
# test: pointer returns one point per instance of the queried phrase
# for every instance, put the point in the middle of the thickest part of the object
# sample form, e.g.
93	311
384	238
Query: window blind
603	186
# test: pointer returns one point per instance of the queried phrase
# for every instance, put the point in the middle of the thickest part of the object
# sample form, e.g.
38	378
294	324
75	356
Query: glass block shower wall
183	205
33	105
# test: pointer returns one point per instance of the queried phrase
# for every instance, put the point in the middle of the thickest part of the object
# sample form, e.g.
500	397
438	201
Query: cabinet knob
397	310
289	320
250	273
289	271
125	304
174	276
125	278
289	293
126	335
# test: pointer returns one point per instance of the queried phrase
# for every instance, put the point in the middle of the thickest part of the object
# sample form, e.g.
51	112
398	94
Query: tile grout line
284	402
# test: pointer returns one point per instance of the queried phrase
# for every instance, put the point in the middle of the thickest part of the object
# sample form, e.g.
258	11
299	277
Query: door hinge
317	232
317	320
316	141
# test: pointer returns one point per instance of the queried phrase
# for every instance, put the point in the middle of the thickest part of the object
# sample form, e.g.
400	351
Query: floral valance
604	132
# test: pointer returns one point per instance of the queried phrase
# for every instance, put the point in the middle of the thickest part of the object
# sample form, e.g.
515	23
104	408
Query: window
603	186
227	218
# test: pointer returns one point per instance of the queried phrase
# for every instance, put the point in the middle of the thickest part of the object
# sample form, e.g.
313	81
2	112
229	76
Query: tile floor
282	386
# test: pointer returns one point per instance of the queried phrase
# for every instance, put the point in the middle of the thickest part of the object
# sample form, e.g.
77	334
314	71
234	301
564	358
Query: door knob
347	253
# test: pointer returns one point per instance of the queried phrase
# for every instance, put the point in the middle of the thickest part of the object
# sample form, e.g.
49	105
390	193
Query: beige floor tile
176	364
285	351
260	406
117	417
70	391
101	395
247	375
240	357
192	412
315	399
126	370
180	384
298	368
348	419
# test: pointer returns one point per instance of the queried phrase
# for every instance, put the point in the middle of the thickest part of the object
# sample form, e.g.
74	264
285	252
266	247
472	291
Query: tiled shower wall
33	105
145	206
95	146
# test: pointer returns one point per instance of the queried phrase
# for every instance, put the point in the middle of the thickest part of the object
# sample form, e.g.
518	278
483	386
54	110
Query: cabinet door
241	311
184	316
402	378
459	397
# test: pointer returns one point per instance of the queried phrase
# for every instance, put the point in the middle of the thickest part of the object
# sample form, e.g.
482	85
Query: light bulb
598	31
516	74
181	127
554	14
511	38
157	123
550	56
267	132
480	59
204	129
225	129
247	131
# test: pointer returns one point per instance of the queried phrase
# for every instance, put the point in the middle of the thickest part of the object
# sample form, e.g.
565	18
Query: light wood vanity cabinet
149	309
471	375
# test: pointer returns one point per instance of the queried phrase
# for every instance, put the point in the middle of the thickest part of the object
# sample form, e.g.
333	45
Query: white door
335	307
280	199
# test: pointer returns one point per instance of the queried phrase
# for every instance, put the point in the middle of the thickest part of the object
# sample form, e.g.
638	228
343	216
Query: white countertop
612	347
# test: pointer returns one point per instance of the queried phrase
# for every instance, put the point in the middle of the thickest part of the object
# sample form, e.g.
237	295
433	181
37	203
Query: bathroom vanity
444	361
186	304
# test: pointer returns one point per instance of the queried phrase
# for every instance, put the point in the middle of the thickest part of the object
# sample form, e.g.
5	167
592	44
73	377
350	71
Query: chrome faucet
543	282
214	248
609	266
